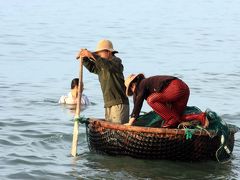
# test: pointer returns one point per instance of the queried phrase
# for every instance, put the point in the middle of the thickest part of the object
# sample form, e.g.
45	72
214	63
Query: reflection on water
197	41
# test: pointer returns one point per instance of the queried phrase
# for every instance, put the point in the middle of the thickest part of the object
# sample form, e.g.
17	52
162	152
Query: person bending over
167	95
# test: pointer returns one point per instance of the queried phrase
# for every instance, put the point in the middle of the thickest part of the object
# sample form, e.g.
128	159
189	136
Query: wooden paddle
78	109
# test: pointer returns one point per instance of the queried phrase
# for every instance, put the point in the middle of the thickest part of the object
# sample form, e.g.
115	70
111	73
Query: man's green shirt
110	75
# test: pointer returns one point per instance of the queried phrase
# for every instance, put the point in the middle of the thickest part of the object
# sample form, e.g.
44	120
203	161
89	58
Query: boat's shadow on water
122	167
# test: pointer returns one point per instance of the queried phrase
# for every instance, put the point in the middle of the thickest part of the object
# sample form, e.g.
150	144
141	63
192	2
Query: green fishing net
152	119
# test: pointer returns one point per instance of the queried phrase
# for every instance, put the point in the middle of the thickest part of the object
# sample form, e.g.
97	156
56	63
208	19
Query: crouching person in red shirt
167	95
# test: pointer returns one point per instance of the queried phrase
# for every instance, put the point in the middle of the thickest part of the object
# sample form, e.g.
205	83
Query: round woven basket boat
155	143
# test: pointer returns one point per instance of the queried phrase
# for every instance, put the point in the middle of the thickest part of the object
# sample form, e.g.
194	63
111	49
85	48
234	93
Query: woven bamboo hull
153	143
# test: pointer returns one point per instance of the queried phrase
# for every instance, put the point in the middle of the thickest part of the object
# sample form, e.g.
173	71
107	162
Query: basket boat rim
170	131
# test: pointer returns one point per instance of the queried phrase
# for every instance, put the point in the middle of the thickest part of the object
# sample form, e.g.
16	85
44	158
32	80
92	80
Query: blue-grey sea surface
198	41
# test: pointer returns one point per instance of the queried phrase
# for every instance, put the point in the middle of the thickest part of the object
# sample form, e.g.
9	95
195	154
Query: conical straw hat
129	80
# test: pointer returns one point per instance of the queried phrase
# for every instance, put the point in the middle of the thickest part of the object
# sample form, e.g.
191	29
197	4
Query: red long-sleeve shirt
146	87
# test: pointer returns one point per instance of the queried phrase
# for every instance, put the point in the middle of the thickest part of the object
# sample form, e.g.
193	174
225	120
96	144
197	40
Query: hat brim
111	50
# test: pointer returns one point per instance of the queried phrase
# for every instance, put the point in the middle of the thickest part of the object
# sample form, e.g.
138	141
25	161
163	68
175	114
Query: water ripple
4	142
29	161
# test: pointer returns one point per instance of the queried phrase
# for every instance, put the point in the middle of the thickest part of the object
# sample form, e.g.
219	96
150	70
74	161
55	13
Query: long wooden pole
77	114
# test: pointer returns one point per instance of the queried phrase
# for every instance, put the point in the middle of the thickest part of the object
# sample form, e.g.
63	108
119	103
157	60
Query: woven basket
153	143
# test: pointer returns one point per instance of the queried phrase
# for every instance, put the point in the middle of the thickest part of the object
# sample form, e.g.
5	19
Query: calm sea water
198	41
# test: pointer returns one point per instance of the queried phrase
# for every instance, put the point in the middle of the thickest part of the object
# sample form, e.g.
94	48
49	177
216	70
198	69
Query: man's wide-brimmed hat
129	80
105	45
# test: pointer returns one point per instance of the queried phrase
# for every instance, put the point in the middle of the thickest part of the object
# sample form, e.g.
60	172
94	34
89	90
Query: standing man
109	69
